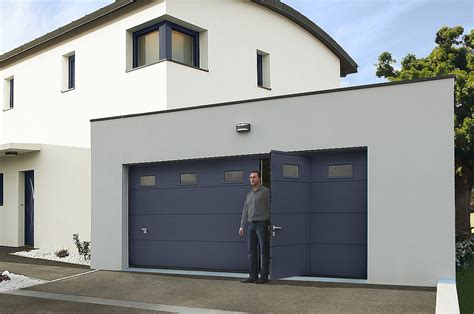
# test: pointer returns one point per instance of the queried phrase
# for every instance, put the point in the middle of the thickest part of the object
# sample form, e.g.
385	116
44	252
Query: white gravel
18	282
73	258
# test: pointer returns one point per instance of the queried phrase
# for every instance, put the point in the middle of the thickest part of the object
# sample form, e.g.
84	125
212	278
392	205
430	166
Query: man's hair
257	172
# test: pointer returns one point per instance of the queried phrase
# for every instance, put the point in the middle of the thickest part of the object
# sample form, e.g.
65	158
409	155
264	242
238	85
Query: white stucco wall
62	197
43	114
408	129
236	30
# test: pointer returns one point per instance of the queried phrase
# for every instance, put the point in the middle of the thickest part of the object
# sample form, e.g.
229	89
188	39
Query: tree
452	55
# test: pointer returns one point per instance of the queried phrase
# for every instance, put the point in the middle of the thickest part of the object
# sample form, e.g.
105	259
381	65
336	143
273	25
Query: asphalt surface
207	293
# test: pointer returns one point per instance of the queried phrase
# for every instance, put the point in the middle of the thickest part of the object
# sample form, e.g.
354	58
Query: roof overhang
348	65
16	149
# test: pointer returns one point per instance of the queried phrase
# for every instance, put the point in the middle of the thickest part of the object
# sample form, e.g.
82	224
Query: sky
363	28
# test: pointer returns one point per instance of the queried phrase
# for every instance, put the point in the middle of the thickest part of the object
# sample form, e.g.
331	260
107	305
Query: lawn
465	287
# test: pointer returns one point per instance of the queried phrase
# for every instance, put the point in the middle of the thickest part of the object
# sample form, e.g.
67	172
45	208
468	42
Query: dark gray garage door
187	215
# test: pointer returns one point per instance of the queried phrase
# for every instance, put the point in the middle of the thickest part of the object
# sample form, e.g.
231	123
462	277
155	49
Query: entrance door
29	207
290	215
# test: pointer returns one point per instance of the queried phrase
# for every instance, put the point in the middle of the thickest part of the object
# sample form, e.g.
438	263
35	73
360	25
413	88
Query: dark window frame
259	70
1	189
165	29
71	71
11	86
340	164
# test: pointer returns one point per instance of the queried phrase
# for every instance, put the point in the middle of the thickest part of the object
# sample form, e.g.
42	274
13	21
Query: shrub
83	247
464	252
4	277
62	253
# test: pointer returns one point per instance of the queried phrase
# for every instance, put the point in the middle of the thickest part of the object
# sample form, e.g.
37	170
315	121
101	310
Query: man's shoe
248	280
262	280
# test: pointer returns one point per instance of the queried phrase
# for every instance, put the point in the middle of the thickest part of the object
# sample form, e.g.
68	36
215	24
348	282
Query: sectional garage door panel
178	222
339	214
186	227
189	255
296	204
341	196
290	223
189	200
349	261
339	228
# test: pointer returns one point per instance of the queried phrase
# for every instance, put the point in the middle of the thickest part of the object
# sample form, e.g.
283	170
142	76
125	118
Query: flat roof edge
325	91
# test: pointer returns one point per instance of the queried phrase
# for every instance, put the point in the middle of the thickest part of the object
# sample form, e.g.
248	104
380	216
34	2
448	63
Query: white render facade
48	131
410	184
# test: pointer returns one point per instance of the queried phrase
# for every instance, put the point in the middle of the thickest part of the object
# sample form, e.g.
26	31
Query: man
256	213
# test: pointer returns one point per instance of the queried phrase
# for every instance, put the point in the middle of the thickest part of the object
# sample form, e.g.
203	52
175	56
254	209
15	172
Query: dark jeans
258	231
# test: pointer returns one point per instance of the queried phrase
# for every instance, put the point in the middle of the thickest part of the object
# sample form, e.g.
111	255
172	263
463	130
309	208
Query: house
185	99
132	57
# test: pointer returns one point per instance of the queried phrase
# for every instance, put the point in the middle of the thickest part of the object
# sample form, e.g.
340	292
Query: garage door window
234	176
290	171
340	171
147	181
188	178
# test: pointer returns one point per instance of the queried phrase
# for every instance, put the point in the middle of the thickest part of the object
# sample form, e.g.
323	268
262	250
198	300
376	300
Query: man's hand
241	231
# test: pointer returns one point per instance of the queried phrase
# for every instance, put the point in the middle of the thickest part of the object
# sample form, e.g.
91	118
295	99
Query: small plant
4	276
62	253
83	247
464	252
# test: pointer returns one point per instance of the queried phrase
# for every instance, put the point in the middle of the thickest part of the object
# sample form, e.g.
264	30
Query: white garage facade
361	182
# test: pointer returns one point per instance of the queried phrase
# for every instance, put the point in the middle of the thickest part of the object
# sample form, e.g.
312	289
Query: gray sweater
257	206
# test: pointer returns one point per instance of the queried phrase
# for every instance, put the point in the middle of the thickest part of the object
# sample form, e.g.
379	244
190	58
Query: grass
465	287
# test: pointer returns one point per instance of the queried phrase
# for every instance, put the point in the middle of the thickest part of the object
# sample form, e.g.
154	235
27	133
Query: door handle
275	229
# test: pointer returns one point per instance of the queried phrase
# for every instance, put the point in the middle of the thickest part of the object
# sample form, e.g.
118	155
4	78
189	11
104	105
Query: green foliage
452	55
83	247
465	287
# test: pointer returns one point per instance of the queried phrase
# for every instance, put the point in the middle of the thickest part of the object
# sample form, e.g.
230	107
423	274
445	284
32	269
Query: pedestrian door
290	217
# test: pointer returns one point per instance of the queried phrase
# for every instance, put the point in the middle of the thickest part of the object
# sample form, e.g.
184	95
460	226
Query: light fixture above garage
242	127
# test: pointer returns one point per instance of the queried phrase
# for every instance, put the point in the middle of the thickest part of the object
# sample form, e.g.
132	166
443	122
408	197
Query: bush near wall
464	252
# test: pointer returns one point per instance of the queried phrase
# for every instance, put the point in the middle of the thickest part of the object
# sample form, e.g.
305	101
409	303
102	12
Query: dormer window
165	41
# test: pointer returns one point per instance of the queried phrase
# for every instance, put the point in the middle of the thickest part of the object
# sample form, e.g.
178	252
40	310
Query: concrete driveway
106	291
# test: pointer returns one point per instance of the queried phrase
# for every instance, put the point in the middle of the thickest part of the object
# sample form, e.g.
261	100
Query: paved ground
102	291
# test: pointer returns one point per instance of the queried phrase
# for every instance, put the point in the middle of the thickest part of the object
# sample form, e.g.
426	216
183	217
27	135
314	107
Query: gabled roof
348	65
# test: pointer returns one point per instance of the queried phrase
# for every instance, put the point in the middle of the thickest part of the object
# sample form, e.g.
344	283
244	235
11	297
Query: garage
185	215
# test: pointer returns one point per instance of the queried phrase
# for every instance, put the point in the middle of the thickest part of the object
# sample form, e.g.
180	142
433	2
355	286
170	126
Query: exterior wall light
11	153
242	127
